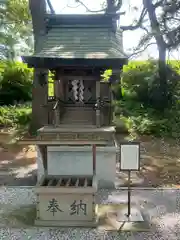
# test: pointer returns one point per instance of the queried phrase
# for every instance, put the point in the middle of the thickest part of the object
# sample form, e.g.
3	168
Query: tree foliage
170	22
159	19
141	81
17	116
139	108
15	28
15	83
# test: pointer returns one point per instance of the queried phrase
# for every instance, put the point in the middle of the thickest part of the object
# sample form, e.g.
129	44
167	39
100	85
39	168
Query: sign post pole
130	161
94	159
129	194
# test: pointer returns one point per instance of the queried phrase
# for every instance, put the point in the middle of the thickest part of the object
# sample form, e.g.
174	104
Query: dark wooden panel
53	63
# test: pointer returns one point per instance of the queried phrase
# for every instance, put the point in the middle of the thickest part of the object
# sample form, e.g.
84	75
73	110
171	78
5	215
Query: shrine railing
57	108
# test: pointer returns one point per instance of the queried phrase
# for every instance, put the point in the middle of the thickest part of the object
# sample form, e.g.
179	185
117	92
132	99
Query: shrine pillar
98	103
56	107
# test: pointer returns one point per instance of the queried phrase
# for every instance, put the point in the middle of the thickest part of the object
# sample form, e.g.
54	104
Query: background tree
160	31
38	11
15	29
159	20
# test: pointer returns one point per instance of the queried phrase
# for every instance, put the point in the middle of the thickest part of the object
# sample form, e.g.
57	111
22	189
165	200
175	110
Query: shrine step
78	115
72	122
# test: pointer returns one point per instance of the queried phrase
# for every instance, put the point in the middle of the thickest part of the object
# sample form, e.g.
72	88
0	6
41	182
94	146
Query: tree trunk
162	76
116	89
155	29
38	11
39	93
110	6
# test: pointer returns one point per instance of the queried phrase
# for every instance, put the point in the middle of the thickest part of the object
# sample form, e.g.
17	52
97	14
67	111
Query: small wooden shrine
77	49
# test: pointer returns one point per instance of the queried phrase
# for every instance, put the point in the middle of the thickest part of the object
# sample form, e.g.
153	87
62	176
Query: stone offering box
66	201
75	160
68	152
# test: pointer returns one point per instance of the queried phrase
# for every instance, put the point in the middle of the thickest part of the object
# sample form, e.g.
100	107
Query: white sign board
130	156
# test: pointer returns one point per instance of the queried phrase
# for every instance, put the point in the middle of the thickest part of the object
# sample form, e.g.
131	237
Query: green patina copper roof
81	41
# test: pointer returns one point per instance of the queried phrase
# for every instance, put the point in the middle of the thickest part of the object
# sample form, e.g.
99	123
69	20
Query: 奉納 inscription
78	207
53	206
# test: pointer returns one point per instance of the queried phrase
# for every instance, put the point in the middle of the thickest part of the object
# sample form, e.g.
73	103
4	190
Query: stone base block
135	215
51	223
66	201
111	218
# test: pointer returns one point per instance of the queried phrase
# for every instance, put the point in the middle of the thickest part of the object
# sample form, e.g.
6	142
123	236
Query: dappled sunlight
57	47
164	168
68	55
22	172
169	225
18	165
169	220
5	162
159	166
97	55
162	162
110	218
117	198
136	179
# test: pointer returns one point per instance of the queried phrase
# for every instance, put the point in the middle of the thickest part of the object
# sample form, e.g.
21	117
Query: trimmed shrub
139	108
140	81
15	116
15	83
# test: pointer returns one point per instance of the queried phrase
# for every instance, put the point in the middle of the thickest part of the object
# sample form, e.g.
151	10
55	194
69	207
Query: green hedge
139	108
15	83
140	81
15	116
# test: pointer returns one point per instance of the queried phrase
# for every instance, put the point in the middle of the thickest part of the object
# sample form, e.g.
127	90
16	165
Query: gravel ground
161	208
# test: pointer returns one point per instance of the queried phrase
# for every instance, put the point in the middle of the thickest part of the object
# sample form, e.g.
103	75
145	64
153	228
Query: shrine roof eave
54	63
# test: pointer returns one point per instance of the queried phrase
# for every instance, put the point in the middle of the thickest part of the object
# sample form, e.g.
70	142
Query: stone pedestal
69	152
69	160
40	167
135	215
66	201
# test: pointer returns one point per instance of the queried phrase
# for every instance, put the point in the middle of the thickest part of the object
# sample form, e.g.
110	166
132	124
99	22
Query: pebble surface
160	206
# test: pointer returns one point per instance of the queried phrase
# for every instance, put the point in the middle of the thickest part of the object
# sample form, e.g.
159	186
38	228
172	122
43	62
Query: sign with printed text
130	156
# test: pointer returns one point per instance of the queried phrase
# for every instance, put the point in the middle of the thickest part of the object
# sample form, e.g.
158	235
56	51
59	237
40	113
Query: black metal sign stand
129	194
120	218
94	159
128	163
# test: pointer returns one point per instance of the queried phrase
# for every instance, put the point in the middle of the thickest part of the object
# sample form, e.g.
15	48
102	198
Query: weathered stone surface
40	167
69	160
66	201
86	133
166	226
